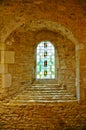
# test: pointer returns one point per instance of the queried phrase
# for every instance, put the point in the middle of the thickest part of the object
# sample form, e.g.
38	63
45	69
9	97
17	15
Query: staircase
44	93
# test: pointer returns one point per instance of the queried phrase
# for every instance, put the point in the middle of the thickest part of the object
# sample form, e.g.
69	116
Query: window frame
55	74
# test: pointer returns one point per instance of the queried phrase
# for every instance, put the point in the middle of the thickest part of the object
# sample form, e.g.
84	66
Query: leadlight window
45	61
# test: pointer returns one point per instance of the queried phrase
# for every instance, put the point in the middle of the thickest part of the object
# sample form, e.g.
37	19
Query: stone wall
23	71
43	116
22	16
23	24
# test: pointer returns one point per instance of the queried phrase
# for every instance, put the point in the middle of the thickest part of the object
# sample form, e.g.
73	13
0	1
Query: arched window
45	61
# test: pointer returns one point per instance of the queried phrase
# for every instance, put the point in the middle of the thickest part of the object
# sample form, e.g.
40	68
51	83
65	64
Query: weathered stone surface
6	80
8	57
43	116
24	24
3	68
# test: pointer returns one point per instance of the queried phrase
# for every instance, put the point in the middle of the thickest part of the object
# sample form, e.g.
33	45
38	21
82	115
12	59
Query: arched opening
45	61
32	70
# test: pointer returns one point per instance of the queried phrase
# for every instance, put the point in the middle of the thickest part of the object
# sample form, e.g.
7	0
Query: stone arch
35	25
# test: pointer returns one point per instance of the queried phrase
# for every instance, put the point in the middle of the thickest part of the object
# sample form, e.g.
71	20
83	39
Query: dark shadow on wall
1	1
1	125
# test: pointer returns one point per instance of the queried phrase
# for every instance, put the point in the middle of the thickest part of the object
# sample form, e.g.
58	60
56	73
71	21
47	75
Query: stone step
43	100
46	91
48	86
25	102
54	97
43	93
39	95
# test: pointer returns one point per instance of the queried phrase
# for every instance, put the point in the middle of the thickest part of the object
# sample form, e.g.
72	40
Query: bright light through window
45	61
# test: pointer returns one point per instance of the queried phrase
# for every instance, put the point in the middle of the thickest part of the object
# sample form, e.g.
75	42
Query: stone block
3	68
83	53
81	46
6	80
1	46
82	94
7	56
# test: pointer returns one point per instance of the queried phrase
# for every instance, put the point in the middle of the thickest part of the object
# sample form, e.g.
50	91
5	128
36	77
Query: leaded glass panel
45	62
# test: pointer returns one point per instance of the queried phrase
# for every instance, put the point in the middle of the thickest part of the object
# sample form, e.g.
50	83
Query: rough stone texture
23	70
3	68
43	116
8	57
6	80
23	24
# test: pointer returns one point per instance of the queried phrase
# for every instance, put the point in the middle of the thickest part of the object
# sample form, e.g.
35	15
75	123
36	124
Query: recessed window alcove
45	57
